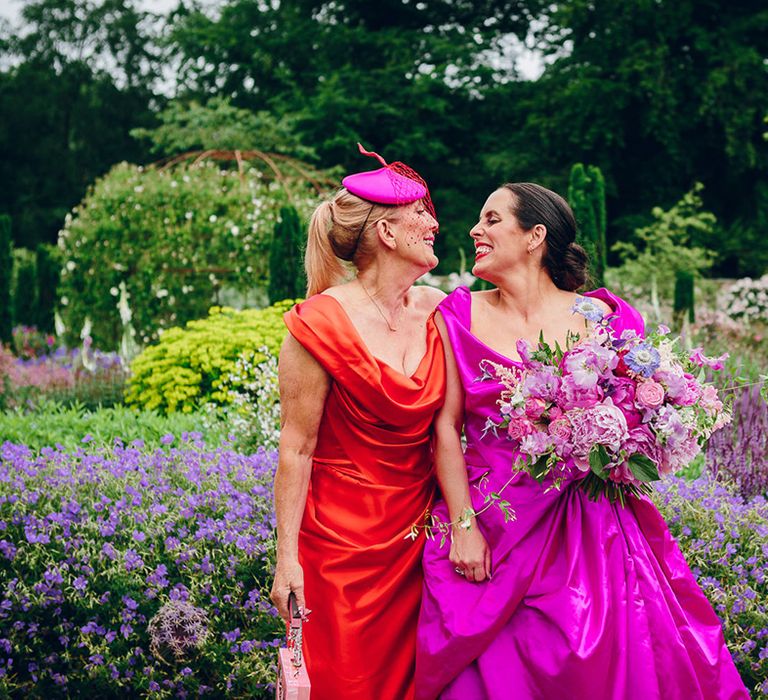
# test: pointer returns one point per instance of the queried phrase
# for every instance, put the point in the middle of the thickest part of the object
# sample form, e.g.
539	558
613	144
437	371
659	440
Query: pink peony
603	424
571	395
622	393
649	394
676	386
642	440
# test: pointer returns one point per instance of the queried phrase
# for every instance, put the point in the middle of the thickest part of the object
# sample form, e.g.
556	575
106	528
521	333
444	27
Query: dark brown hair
565	260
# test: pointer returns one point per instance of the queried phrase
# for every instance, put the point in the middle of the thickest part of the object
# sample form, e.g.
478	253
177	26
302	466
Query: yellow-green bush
188	366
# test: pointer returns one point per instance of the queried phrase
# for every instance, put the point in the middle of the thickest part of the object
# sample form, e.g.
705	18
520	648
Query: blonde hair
338	231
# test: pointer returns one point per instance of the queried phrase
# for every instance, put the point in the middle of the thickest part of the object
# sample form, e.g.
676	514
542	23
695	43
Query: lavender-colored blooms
740	451
725	541
122	533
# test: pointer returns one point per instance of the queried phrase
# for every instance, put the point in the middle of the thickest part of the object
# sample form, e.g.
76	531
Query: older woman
575	599
361	377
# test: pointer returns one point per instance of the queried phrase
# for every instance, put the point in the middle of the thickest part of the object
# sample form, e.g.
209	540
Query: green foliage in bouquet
189	366
586	195
663	249
6	272
287	279
176	237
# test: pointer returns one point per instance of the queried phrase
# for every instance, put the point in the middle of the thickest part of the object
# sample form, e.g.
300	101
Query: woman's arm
469	550
304	387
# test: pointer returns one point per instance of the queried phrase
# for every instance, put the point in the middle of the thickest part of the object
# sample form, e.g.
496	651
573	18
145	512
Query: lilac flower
167	439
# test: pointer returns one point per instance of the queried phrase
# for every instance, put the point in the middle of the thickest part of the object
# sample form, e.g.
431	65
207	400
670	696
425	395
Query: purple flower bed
725	541
739	451
125	572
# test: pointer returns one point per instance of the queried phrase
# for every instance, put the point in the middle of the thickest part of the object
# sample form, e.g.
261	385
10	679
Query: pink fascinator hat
394	184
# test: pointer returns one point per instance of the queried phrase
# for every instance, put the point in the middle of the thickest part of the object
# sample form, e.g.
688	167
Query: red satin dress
372	478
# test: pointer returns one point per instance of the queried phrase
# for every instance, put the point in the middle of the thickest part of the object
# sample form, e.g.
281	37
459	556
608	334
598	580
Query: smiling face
415	230
500	241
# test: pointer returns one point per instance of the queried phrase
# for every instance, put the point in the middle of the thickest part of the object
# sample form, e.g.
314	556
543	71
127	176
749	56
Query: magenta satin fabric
587	599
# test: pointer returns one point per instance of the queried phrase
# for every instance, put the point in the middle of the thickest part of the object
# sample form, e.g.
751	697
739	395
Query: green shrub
187	367
287	279
586	195
48	269
663	249
52	424
24	287
178	238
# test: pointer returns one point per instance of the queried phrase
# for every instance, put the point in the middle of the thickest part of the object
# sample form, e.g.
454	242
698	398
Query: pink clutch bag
292	678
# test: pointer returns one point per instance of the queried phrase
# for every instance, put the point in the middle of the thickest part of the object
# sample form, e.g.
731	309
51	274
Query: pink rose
554	413
561	428
649	394
519	427
534	408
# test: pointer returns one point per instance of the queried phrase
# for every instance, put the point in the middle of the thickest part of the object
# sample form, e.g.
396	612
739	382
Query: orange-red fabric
372	478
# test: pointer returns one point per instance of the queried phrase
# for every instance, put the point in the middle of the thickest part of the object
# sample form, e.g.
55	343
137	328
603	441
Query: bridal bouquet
615	412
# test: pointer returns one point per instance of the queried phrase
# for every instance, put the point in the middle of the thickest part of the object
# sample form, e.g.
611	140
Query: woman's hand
289	577
470	554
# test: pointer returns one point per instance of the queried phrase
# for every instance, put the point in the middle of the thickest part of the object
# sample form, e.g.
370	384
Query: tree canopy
658	95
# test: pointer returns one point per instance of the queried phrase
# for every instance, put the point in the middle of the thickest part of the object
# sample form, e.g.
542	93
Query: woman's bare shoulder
427	297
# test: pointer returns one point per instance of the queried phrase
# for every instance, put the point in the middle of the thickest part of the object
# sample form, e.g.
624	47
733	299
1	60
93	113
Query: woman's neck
526	294
387	285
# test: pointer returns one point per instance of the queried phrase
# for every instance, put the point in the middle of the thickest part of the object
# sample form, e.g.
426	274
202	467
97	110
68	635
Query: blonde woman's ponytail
323	268
340	230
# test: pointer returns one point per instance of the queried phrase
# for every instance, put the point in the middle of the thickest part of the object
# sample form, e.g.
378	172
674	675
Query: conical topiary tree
25	289
287	279
48	274
684	303
6	273
586	194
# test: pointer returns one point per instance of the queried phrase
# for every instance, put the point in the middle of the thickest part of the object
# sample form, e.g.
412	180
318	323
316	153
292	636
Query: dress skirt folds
587	600
372	479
